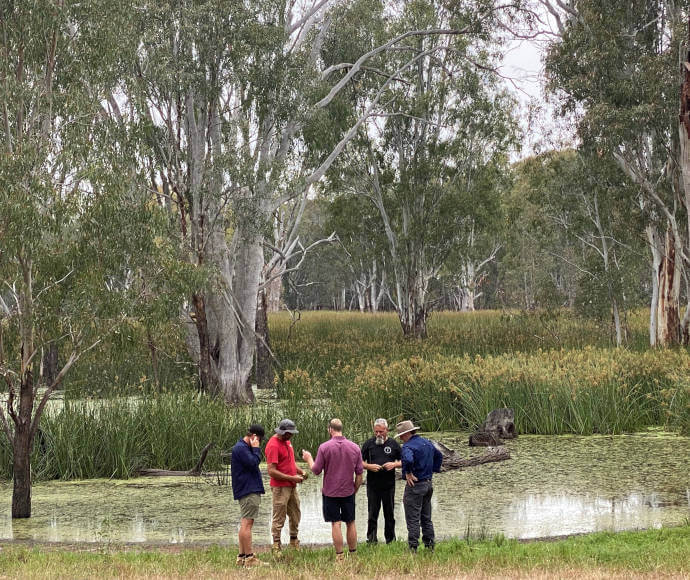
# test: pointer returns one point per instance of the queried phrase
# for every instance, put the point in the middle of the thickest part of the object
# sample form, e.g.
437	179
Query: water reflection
552	486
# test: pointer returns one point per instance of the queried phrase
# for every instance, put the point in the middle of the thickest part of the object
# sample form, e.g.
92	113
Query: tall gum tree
617	64
74	228
235	94
421	160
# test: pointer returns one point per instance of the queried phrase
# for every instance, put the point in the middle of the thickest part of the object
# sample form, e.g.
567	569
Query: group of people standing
342	463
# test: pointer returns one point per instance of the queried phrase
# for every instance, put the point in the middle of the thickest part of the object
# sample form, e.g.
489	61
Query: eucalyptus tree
534	267
362	245
229	90
481	236
241	102
422	161
75	230
584	196
616	66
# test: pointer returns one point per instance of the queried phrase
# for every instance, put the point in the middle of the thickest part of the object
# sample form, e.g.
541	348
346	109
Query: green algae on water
551	486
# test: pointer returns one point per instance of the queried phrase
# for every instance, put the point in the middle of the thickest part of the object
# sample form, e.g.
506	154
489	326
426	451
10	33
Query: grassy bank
652	554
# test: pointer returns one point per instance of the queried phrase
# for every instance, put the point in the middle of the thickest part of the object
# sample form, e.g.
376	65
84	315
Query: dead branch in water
451	459
196	470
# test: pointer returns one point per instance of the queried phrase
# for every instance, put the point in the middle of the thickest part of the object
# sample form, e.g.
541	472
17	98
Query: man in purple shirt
340	460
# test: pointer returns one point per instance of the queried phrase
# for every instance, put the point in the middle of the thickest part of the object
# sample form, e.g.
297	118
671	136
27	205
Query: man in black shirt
380	456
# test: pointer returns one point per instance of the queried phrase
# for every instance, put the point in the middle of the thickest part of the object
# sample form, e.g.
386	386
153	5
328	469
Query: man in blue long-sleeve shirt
247	488
420	459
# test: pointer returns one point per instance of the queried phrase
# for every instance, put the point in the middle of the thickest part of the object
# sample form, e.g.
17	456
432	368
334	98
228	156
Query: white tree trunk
668	329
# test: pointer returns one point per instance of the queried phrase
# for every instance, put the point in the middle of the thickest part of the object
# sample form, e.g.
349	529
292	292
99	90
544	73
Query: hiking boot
276	550
339	557
253	562
294	544
239	562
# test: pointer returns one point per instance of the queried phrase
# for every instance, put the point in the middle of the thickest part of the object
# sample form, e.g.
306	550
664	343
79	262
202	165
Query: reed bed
558	372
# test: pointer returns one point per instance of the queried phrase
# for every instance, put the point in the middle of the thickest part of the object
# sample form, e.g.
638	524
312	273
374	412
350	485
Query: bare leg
245	536
337	533
351	531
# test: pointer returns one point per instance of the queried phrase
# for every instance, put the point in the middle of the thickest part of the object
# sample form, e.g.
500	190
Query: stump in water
499	424
452	460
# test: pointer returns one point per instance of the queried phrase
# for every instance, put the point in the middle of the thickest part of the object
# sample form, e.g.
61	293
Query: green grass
653	553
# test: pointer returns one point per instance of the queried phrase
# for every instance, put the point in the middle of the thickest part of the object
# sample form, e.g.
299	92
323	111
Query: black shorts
339	509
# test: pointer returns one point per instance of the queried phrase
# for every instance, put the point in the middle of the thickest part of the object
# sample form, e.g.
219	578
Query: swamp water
552	486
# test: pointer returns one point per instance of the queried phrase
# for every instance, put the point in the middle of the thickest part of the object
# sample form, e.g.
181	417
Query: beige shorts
249	506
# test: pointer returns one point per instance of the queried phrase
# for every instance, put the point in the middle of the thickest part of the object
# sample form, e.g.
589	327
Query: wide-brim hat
286	426
405	427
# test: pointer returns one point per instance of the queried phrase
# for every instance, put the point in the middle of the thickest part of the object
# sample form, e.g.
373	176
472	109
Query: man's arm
365	455
280	476
246	458
371	466
392	465
358	482
438	459
315	466
407	460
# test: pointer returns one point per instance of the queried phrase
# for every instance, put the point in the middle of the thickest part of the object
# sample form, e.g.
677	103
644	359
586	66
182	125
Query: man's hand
305	455
389	465
410	477
297	479
373	467
254	441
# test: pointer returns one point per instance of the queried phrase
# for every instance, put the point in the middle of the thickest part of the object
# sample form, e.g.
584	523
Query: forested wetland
217	213
578	465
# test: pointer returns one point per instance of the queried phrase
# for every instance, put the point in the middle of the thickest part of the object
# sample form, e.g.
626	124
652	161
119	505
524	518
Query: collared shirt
339	459
380	454
244	470
283	455
420	457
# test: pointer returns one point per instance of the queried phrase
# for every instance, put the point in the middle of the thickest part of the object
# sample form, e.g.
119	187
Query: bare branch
357	66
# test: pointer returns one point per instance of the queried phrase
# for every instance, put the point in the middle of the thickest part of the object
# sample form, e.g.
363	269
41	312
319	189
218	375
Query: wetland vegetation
556	370
602	446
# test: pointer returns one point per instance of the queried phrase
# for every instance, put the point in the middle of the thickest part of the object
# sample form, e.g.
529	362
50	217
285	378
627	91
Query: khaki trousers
285	503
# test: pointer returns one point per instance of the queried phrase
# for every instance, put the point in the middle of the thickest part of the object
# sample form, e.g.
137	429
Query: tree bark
208	382
50	364
668	330
23	443
263	369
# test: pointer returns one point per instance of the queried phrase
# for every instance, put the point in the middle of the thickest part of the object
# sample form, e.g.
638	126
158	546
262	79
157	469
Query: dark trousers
417	504
375	499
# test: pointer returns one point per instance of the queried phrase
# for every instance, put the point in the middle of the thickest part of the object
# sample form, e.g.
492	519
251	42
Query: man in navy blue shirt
247	488
420	459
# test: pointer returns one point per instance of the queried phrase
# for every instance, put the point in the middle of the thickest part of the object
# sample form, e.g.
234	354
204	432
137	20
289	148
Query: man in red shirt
285	475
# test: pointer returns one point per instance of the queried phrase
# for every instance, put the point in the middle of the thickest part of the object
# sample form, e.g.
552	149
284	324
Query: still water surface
552	486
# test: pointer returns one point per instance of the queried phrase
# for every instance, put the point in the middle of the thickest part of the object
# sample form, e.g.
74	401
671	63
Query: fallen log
196	470
452	460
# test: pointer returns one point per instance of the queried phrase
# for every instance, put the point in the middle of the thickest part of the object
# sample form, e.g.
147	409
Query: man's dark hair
257	430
